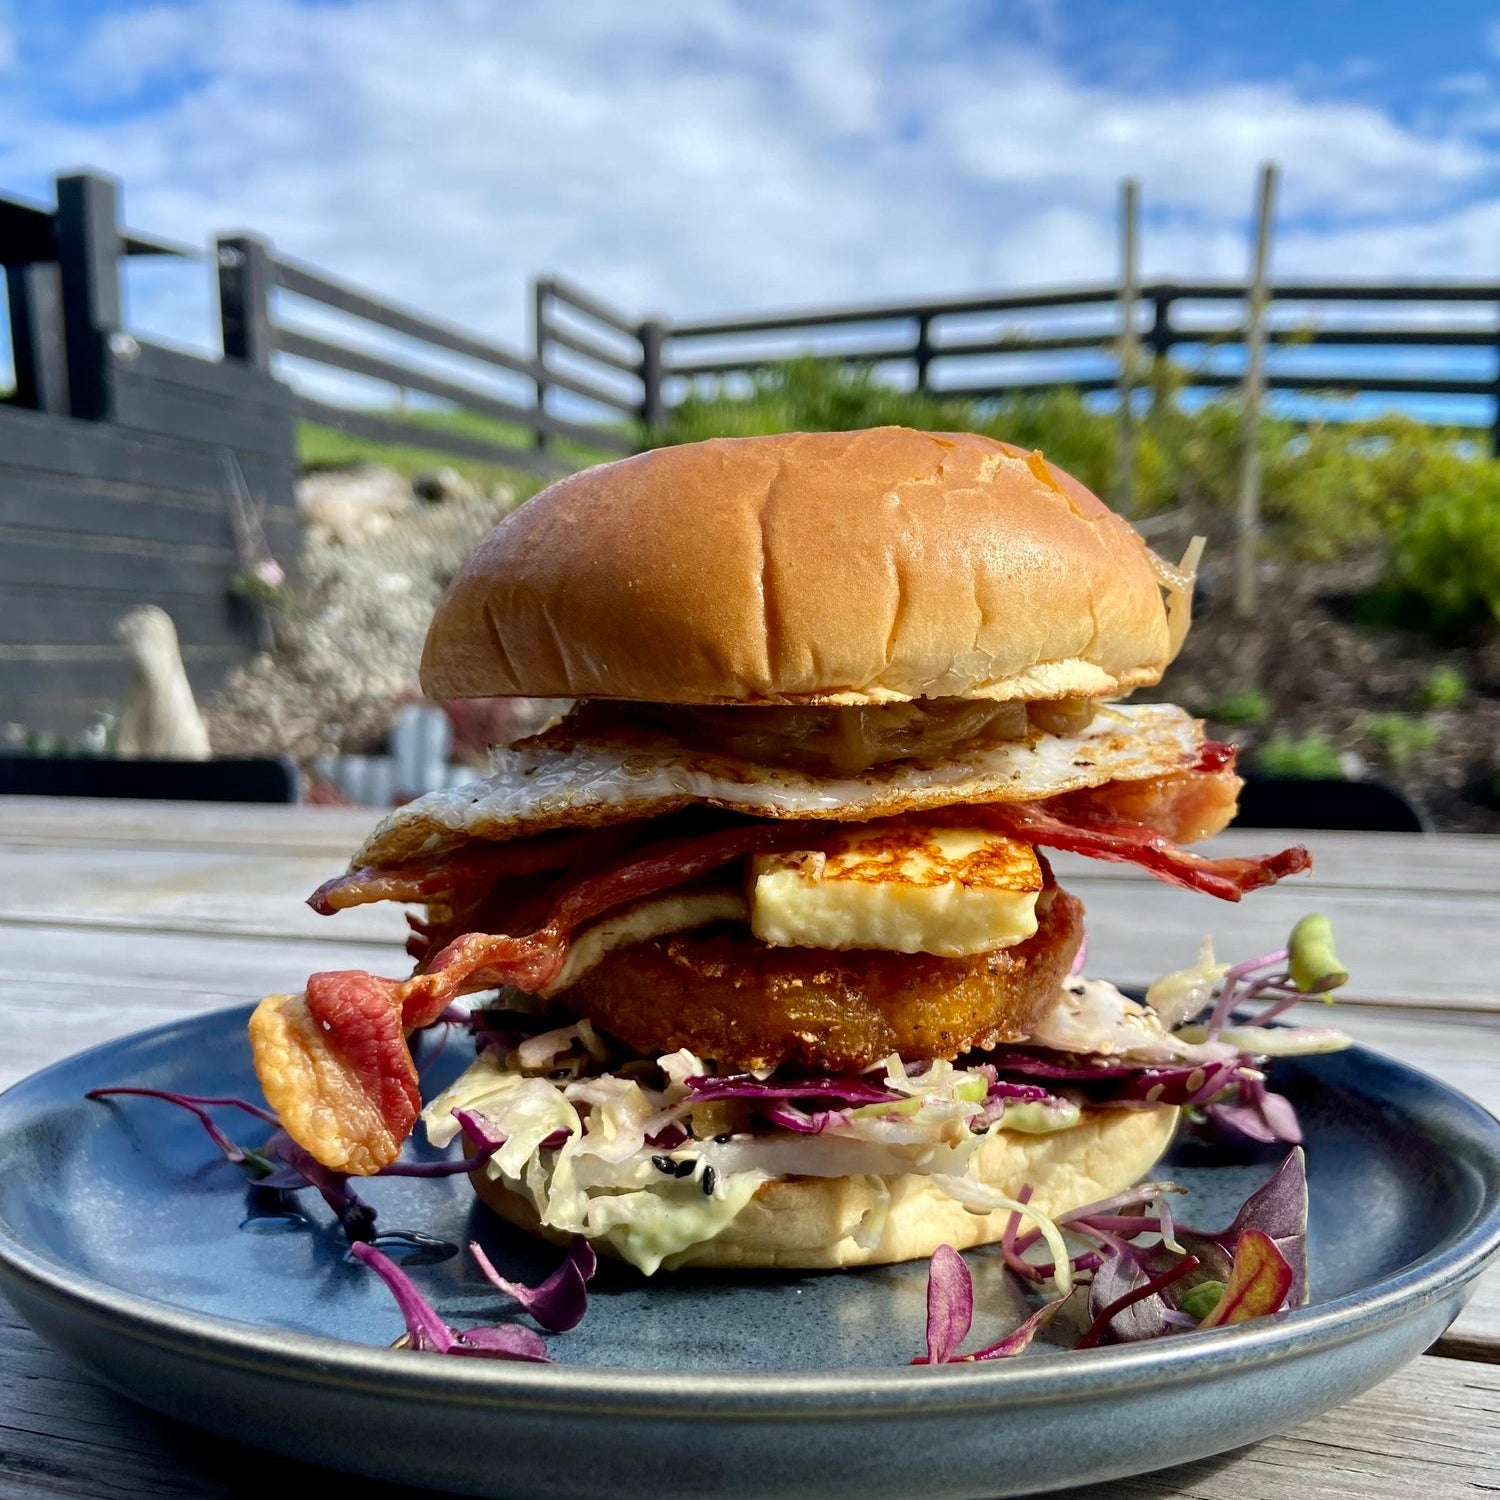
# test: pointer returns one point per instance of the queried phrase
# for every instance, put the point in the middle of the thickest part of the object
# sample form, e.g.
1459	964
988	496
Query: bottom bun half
808	1223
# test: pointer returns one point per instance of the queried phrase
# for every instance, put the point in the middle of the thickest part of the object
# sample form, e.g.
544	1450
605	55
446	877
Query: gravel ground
347	651
1365	690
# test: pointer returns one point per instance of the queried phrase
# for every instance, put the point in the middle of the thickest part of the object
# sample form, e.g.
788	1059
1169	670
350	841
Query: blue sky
734	154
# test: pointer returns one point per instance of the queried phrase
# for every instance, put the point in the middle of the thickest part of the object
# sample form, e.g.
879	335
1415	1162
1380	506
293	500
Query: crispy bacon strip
1102	837
334	1062
1183	806
477	865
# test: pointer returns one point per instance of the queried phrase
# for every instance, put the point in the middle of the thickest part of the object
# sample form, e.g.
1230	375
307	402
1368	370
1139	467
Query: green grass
1401	738
1446	687
1241	706
1312	757
320	447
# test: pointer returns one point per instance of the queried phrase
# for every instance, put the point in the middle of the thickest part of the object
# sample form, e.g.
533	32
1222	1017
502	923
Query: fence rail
255	329
933	354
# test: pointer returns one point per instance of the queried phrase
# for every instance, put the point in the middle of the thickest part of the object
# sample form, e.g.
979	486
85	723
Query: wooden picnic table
117	916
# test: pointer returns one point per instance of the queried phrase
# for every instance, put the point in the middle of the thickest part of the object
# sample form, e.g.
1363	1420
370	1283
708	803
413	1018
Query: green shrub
1446	687
1312	757
1241	706
1443	554
1401	738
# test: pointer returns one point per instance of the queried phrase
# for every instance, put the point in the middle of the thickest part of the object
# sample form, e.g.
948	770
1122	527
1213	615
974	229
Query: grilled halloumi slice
906	887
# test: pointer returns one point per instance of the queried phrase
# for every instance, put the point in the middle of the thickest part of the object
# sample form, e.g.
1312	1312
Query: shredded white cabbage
980	1198
1179	582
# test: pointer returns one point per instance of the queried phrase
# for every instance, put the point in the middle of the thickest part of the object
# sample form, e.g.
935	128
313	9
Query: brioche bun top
833	567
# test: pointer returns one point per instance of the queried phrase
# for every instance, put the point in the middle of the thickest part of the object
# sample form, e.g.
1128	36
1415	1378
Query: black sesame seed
686	1166
664	1164
724	1139
709	1178
561	1073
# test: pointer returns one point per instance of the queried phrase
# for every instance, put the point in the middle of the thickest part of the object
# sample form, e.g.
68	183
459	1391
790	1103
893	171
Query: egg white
551	783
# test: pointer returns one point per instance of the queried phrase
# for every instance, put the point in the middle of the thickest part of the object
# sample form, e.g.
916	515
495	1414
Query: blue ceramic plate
129	1243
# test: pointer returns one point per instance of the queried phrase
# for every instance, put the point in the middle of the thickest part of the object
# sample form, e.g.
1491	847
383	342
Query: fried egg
538	786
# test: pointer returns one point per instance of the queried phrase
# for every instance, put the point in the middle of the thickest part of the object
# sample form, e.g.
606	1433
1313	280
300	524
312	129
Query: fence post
1247	509
1125	442
652	334
1495	424
39	351
541	289
922	351
88	262
246	275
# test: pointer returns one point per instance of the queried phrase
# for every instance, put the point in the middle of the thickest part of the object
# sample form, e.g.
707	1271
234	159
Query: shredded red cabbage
846	1092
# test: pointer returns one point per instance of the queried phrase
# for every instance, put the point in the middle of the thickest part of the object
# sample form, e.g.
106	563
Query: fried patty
741	1003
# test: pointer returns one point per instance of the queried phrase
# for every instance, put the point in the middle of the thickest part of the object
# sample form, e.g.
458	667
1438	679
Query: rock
349	506
159	719
346	657
443	487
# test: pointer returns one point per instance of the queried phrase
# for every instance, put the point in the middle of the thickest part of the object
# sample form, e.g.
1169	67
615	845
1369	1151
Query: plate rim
863	1392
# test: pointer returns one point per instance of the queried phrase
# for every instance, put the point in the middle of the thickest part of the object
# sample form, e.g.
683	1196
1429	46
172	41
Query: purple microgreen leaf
1279	1211
559	1302
503	1341
1019	1340
253	1163
1259	1284
355	1216
1151	1287
426	1331
950	1306
1229	994
1257	1116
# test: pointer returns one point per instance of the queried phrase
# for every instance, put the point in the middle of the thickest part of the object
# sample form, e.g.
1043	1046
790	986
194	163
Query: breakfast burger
766	964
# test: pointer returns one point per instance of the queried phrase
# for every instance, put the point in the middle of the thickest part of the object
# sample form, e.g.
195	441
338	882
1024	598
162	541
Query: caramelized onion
833	741
843	741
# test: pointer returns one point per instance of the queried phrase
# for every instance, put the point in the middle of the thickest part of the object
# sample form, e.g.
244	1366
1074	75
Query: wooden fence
116	461
255	328
928	345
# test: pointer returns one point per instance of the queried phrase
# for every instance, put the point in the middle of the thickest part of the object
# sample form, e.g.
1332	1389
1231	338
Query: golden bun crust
808	1223
834	567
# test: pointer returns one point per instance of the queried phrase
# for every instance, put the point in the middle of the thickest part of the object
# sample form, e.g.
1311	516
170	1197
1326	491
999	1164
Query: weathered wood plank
84	616
1430	1430
134	965
1475	1335
150	406
208	891
63	1435
90	451
31	555
59	503
334	831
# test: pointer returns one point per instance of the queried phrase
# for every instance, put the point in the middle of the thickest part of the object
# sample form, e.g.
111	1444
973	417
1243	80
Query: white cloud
723	156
